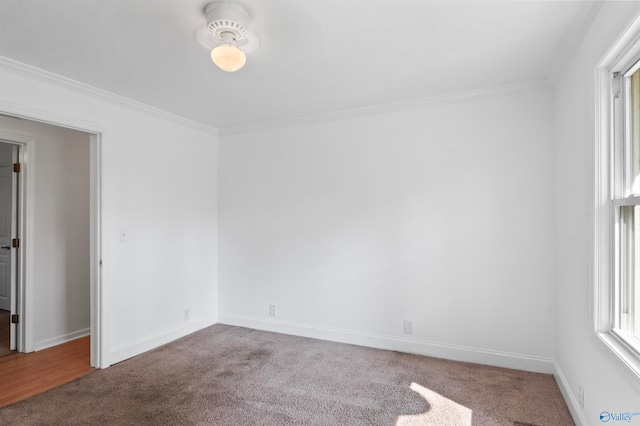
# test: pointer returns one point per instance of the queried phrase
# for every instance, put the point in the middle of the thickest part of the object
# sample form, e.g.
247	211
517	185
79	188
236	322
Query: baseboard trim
129	350
438	350
58	340
569	397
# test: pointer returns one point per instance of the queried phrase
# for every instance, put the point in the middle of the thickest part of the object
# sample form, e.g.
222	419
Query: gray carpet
236	376
5	324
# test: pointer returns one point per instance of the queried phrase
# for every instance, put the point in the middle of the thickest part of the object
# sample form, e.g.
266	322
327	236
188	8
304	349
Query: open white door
13	286
8	183
6	172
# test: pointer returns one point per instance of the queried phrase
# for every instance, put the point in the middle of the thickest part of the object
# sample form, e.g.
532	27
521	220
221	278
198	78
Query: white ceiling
316	56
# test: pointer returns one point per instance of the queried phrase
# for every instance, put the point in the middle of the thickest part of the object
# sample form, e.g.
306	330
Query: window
625	203
617	214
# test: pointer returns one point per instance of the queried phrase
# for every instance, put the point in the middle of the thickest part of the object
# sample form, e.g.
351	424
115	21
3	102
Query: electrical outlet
186	314
408	327
272	310
581	396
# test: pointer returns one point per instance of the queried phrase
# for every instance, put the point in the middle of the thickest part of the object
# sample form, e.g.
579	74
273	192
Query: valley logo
606	416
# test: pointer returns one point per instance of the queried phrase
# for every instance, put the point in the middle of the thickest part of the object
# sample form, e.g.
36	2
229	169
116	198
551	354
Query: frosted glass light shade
228	57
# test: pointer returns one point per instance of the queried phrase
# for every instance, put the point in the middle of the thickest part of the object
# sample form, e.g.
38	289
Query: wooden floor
5	332
25	375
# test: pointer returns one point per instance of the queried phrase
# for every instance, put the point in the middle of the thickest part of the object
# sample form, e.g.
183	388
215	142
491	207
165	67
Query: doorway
51	308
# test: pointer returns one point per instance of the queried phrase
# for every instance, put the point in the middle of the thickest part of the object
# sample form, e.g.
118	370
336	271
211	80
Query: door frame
26	191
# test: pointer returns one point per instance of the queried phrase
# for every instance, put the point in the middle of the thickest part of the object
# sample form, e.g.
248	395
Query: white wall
159	183
583	360
6	153
440	214
60	229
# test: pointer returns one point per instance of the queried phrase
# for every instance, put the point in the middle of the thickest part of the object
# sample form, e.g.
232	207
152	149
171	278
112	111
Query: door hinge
15	242
616	85
16	167
14	318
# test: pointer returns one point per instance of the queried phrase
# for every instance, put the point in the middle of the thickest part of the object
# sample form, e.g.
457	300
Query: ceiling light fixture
227	36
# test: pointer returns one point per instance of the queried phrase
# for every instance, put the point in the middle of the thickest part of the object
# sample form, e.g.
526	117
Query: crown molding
583	20
33	72
384	108
38	73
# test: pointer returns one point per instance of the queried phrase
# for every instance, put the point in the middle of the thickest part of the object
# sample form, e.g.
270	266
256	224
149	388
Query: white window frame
618	61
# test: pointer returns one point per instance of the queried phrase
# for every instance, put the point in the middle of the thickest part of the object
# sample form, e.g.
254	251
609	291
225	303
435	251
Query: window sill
627	356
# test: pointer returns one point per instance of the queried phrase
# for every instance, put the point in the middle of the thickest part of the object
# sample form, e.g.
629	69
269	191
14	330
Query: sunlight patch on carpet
442	411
